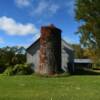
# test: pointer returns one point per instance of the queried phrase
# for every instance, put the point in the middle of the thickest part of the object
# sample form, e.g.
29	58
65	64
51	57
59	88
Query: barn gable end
67	55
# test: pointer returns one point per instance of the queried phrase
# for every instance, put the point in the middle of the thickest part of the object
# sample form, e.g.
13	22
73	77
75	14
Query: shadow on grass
87	72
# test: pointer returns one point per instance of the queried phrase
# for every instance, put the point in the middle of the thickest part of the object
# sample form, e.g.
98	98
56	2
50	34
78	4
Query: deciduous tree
88	13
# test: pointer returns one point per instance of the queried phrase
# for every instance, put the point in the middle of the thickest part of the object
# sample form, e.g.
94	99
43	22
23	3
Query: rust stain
50	50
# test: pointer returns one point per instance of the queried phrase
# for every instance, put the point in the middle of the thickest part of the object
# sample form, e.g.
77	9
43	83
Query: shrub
19	69
22	69
8	71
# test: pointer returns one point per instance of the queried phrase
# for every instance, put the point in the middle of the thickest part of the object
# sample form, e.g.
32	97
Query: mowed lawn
43	88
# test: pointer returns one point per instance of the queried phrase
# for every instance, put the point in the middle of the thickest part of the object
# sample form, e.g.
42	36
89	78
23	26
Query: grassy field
42	88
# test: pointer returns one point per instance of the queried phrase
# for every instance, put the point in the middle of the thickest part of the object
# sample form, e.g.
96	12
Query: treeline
13	60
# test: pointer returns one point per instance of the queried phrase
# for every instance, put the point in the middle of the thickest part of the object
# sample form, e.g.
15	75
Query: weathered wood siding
33	56
67	56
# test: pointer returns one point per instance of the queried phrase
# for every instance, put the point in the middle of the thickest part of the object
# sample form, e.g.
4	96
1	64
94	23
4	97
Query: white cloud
54	8
45	8
42	6
1	40
23	3
11	27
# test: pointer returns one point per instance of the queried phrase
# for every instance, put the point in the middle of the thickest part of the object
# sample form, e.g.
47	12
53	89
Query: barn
67	55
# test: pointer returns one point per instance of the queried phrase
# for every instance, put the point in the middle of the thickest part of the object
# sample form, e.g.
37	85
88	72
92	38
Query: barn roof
38	40
83	61
33	44
68	45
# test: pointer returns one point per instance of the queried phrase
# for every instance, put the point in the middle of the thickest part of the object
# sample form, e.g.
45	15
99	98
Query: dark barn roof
38	40
33	44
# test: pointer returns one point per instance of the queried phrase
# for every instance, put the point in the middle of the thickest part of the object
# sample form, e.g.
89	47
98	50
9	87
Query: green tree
10	56
78	51
88	13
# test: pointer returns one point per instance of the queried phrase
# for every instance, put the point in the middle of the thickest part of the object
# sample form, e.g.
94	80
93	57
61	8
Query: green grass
42	88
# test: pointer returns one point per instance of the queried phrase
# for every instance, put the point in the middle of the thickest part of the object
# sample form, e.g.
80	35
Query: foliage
78	51
85	53
10	56
19	69
12	61
90	53
8	71
88	13
22	69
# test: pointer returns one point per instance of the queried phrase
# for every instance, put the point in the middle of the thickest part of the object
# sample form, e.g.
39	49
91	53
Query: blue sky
21	20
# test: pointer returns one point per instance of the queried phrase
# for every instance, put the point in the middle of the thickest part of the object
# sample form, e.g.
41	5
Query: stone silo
50	50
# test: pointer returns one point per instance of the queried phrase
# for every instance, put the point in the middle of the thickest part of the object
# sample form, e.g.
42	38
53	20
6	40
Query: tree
10	56
89	53
78	51
88	12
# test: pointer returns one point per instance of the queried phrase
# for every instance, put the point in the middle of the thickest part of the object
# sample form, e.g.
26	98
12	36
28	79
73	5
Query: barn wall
67	56
34	60
29	58
33	56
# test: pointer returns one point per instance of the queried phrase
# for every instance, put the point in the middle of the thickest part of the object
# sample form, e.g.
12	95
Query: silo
50	50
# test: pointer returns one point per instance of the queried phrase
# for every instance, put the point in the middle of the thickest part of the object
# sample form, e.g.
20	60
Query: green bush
96	65
8	71
22	69
3	67
19	69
